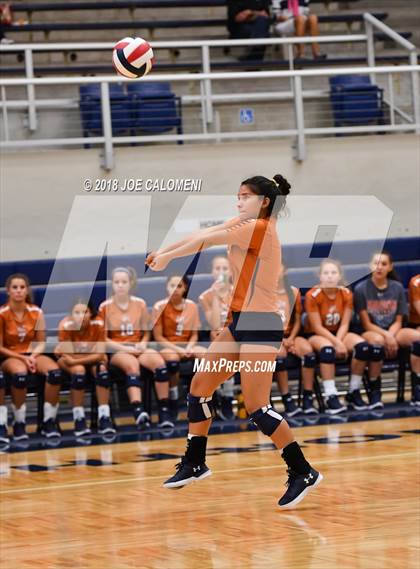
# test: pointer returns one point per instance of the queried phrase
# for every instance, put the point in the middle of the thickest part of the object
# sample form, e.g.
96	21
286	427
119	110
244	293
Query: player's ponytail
28	298
275	189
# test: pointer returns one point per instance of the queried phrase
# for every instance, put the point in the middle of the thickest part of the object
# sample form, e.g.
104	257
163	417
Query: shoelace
292	475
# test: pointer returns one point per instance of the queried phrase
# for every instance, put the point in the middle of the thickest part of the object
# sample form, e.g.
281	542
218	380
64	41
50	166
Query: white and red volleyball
132	57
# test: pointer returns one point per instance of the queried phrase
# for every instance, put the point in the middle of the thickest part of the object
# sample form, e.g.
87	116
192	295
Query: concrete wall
38	191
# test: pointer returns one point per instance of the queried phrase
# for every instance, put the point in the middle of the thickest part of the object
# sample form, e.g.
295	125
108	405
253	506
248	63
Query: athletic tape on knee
280	364
309	360
132	380
327	355
2	381
78	381
377	353
199	408
54	377
361	351
172	367
415	348
19	380
266	419
103	379
161	374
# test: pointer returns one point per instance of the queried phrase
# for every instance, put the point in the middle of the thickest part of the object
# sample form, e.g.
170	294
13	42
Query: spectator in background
293	17
5	22
249	19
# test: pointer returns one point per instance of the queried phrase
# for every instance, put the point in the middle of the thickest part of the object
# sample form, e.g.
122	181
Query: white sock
173	393
329	387
78	413
20	414
3	415
355	382
227	387
50	411
191	435
104	411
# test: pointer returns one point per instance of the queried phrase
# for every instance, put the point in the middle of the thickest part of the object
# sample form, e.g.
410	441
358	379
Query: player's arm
416	305
368	325
317	327
39	344
159	337
5	351
344	325
396	325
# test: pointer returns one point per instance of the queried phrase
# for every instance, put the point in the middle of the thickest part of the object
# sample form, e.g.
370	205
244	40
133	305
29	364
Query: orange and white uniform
83	341
330	310
254	255
283	308
19	334
125	325
414	296
177	325
206	302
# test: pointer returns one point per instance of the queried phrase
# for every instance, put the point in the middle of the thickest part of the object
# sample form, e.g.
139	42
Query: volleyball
132	57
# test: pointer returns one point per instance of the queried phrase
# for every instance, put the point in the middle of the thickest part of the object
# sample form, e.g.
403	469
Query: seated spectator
5	22
293	17
249	19
81	349
176	323
329	308
380	302
290	310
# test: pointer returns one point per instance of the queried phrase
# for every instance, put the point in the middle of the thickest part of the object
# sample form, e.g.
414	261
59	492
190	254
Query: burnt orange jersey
125	324
283	308
18	334
331	310
178	325
83	340
206	302
414	296
254	255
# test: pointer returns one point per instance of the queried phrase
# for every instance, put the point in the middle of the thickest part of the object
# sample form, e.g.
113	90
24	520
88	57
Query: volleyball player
290	310
215	302
127	334
81	350
22	343
254	334
381	304
176	324
329	308
414	322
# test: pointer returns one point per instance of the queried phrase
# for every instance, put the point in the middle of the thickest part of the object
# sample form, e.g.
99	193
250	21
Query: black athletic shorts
257	328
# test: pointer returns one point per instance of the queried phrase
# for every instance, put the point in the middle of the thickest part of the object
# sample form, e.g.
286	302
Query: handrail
214	76
389	32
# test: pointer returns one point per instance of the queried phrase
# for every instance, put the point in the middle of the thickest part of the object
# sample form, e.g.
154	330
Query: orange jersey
177	325
206	302
254	255
18	334
83	341
330	310
125	325
414	296
283	308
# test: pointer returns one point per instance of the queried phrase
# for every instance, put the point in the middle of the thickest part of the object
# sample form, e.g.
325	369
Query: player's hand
391	346
288	344
243	16
141	347
68	360
340	350
150	257
160	262
30	362
189	350
182	352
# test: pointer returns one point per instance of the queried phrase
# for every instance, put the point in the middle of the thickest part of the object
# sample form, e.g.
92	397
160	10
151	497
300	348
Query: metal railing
207	99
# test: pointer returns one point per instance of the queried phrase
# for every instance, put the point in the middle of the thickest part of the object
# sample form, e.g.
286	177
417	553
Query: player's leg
360	350
304	351
4	435
256	387
77	393
18	373
172	360
217	366
377	355
130	366
282	379
54	377
410	338
326	355
103	390
154	361
300	26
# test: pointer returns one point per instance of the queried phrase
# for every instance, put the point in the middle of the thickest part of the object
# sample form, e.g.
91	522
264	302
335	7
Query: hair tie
273	180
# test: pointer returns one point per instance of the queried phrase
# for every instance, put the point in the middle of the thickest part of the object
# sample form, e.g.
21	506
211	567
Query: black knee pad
103	379
132	380
266	419
280	364
327	355
19	380
309	360
54	377
200	408
161	374
2	381
377	353
361	352
415	348
78	381
172	367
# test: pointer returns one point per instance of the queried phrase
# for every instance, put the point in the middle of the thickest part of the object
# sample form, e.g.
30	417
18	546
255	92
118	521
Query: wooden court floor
103	506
